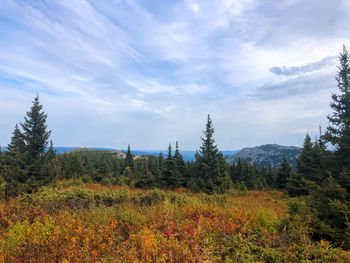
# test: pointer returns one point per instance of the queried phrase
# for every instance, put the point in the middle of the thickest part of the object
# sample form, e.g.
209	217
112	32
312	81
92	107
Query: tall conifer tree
180	166
305	159
129	159
170	177
284	172
17	144
35	132
338	130
212	173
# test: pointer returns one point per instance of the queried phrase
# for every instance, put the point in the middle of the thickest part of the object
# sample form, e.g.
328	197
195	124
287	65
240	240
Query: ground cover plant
96	223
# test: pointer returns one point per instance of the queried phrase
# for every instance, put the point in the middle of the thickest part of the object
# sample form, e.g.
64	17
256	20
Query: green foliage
171	177
81	225
211	168
283	173
26	165
152	197
129	159
338	130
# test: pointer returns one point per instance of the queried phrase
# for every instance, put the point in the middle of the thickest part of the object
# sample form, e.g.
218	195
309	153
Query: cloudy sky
147	72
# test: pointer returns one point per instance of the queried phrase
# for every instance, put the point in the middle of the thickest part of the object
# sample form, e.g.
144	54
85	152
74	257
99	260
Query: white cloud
193	6
138	103
98	101
160	67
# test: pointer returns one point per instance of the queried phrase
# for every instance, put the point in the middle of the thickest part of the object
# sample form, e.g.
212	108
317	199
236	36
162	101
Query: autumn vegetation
94	223
90	206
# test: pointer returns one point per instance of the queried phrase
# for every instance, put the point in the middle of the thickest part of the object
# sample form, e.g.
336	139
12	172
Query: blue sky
146	73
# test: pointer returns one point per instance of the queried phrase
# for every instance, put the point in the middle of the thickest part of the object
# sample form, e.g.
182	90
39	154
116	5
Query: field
95	223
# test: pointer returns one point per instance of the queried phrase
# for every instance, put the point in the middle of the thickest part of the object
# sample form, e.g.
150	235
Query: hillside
187	155
95	223
266	154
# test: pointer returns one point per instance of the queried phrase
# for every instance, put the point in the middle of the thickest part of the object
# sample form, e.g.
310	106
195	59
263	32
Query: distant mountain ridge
267	154
261	155
187	155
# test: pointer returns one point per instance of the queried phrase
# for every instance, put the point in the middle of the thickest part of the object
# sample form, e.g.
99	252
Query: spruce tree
14	170
338	130
129	159
283	173
35	132
17	145
180	166
212	175
271	177
51	166
51	152
305	163
36	138
27	162
170	177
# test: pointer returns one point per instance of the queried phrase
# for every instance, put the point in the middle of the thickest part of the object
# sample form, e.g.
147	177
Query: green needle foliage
212	173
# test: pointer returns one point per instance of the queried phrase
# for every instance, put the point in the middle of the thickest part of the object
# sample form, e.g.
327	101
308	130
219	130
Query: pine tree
320	162
180	166
271	177
338	130
284	172
212	174
146	178
305	161
27	163
129	159
51	167
17	145
35	132
170	177
74	166
51	152
14	170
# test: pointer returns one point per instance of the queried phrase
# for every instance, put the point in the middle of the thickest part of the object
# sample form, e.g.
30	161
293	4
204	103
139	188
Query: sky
148	72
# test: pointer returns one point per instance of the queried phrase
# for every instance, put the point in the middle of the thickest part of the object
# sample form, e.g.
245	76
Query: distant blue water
187	155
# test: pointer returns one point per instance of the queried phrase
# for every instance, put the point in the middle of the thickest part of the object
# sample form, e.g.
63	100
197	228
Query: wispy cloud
150	71
294	87
309	67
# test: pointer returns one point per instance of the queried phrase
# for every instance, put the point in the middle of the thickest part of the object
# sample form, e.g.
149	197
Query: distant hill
60	150
266	154
187	155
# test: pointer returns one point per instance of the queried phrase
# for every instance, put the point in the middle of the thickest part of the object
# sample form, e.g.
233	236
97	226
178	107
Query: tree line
320	184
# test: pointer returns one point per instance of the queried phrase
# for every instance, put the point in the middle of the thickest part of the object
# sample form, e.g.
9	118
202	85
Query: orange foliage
130	232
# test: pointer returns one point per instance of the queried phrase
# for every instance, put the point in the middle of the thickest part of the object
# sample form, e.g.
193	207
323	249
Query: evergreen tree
312	161
27	162
238	175
212	174
146	178
35	132
180	166
129	159
271	177
320	162
338	130
296	185
17	145
305	162
74	166
161	161
51	167
51	152
170	177
284	172
14	170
